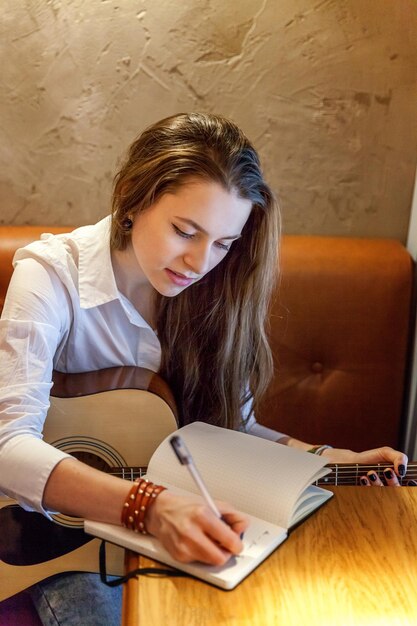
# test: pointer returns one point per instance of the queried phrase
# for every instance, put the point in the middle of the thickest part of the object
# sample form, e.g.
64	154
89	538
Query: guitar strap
157	572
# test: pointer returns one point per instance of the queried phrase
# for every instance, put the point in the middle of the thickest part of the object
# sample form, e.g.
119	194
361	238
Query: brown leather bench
340	330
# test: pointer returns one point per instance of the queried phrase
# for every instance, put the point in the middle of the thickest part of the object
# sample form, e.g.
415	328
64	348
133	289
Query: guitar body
112	420
26	541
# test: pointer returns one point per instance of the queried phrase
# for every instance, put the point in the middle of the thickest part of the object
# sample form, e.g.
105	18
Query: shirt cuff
26	464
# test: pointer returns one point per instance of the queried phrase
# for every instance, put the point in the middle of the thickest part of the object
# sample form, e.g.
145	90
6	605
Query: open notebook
268	481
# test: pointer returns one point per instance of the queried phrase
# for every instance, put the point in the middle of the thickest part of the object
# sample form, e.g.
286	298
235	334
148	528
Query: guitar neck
350	473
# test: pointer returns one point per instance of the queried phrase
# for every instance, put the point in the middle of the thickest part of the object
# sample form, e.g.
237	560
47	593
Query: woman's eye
223	246
181	233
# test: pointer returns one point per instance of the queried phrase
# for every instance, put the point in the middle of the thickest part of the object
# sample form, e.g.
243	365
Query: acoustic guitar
113	420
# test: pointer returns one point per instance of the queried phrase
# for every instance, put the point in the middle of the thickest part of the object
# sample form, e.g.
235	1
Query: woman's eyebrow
201	229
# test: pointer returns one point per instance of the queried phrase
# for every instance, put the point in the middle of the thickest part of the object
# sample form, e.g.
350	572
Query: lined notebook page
259	477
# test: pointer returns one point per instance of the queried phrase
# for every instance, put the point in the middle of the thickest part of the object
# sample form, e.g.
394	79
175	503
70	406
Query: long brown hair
215	352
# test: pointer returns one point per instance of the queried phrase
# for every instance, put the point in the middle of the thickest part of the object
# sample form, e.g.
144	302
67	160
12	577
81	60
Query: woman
178	281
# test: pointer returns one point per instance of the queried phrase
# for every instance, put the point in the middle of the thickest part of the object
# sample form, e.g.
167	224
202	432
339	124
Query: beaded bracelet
142	508
139	500
155	493
319	449
143	487
130	505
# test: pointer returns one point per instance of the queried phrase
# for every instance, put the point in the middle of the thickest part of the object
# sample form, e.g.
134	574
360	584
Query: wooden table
353	563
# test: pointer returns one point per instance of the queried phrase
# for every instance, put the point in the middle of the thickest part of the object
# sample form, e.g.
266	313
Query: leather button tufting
317	367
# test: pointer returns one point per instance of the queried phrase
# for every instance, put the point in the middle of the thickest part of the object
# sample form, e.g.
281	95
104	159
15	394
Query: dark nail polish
372	476
401	470
243	534
412	483
364	481
388	474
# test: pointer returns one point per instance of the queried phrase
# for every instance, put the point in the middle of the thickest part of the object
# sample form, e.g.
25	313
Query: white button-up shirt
63	311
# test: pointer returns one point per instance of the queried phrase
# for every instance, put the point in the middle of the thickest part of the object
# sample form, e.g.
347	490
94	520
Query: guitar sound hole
30	538
91	459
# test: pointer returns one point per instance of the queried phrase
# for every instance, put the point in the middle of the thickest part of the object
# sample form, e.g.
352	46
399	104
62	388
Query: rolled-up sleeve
30	331
252	427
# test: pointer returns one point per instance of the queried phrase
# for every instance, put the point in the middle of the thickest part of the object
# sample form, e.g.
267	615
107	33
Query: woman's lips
179	279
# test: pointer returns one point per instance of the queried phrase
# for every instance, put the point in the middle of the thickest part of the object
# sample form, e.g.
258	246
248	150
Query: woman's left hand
369	457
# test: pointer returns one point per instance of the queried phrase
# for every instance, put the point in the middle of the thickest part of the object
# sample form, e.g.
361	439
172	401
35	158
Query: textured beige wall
326	89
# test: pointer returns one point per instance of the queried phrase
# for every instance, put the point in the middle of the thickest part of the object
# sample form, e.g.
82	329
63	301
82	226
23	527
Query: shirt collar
96	281
82	260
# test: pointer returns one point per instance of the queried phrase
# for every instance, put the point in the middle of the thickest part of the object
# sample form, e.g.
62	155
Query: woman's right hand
190	531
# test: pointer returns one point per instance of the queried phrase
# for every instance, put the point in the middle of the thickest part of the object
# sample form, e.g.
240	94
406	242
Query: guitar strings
349	474
346	474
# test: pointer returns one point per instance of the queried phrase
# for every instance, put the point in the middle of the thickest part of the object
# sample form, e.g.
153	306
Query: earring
127	224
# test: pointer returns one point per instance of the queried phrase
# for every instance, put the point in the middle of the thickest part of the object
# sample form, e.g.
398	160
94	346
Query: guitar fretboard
350	474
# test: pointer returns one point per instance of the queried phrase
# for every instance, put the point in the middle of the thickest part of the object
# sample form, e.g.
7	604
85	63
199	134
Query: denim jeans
77	599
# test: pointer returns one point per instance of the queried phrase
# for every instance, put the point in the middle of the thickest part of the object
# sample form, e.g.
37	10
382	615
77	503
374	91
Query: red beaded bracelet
139	500
128	506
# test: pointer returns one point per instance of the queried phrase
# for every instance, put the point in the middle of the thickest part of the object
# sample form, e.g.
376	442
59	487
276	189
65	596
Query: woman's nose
198	260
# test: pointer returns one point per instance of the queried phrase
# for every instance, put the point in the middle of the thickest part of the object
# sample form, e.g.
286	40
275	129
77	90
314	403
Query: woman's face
186	233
